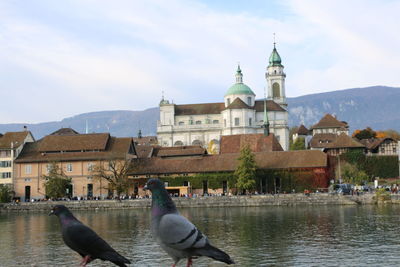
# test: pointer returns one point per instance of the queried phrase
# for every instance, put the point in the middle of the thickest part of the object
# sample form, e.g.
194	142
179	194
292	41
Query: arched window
181	123
276	92
198	122
197	143
178	143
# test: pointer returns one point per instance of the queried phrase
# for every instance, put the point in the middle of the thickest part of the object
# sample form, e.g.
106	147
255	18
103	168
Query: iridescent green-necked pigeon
176	234
84	240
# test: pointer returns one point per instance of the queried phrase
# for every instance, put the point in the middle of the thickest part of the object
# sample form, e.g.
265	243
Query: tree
115	172
366	133
299	144
56	182
351	174
246	170
392	134
5	193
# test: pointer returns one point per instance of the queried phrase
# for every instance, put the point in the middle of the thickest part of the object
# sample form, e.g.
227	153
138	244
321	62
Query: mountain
119	123
376	107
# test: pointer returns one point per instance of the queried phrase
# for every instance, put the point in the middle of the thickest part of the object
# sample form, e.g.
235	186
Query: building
334	144
380	146
256	143
76	154
240	113
329	124
11	145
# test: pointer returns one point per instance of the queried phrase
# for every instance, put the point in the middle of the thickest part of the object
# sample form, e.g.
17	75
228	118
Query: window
394	150
228	101
215	121
276	90
224	122
5	164
27	179
191	121
382	150
185	183
5	153
49	167
28	169
181	123
90	166
249	121
5	175
69	167
208	121
237	121
249	101
198	122
278	138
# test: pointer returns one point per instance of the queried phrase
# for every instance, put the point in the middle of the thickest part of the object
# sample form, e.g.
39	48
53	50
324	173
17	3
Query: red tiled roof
328	121
17	138
52	143
116	148
179	151
329	140
257	143
238	104
271	106
228	162
65	131
302	130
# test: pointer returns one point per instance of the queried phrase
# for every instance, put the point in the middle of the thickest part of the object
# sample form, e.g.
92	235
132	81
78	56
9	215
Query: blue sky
62	58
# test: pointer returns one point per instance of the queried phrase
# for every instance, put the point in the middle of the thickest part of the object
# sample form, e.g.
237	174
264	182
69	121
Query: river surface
254	236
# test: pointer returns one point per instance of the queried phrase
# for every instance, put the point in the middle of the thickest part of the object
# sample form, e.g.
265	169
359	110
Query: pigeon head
59	210
154	185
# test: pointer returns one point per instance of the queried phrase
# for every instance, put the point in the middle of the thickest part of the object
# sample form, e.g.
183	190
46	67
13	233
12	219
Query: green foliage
299	144
56	182
5	193
351	174
373	166
246	170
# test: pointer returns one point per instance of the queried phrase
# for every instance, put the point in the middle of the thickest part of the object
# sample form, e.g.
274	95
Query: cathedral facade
240	113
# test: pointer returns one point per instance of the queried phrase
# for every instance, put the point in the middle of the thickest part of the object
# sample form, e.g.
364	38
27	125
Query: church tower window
276	90
237	121
249	101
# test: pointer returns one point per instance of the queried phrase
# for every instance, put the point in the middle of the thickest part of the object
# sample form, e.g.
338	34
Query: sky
63	58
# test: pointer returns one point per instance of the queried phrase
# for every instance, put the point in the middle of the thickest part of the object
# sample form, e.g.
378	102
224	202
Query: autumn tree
246	170
392	134
366	133
115	172
56	182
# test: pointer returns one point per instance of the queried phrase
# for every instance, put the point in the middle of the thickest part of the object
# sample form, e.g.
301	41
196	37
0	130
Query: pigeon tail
115	258
215	253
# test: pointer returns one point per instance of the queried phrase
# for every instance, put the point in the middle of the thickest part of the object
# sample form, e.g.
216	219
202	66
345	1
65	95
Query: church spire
239	75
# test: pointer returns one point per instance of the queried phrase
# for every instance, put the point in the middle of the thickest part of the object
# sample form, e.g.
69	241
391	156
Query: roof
144	151
229	162
328	121
145	140
271	106
237	104
275	58
330	140
239	89
374	143
65	131
17	138
78	142
302	130
257	143
179	151
117	148
198	109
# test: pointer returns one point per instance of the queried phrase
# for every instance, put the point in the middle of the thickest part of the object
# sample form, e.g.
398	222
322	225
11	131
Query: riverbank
217	201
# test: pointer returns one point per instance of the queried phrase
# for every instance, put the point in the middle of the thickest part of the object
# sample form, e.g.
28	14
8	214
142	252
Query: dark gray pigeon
176	234
84	240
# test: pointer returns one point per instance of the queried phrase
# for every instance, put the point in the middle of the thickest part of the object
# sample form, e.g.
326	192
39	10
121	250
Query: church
240	113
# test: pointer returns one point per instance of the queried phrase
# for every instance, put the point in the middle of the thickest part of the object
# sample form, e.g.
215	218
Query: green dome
275	59
239	88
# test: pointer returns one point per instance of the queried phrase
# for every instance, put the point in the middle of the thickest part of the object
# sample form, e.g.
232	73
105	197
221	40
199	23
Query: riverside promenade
210	201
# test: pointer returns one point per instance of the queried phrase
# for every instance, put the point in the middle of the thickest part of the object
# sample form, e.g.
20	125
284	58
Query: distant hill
376	106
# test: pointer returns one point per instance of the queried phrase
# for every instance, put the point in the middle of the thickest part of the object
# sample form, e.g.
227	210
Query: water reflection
265	236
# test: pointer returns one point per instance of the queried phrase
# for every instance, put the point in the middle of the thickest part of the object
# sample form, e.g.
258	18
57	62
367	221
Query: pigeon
176	234
84	240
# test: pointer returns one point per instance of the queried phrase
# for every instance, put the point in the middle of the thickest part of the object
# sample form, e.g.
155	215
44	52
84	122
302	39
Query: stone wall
223	201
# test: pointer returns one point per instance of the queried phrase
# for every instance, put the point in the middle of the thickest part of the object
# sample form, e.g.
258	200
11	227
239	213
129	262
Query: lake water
256	236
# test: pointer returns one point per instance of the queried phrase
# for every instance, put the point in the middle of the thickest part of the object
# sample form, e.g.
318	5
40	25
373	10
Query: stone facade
240	113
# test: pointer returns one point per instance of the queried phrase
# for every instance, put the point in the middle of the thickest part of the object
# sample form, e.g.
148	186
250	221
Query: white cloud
100	55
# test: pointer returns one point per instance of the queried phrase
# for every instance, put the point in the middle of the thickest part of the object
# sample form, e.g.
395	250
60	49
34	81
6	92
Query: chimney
25	128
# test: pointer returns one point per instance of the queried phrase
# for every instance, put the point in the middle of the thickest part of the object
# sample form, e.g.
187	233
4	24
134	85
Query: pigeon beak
145	187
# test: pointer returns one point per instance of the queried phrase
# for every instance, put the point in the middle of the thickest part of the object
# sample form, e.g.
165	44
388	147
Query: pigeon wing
85	241
177	232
